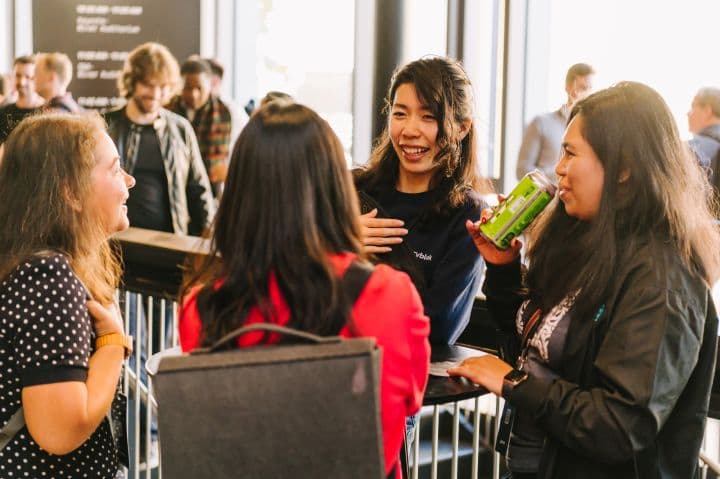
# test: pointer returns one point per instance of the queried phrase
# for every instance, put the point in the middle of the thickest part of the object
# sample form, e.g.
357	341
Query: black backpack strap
355	279
352	283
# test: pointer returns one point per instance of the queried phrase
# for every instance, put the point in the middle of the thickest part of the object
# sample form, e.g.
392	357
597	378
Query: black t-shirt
46	336
149	201
10	116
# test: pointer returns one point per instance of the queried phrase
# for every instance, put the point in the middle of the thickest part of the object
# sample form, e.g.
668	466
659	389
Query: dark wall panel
97	36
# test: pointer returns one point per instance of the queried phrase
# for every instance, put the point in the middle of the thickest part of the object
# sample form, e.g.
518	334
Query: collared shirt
212	125
540	148
64	103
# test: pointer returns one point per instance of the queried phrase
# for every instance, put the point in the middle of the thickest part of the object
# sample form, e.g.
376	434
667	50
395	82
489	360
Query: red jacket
389	309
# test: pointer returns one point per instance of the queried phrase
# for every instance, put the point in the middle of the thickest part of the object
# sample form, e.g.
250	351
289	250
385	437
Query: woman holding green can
615	329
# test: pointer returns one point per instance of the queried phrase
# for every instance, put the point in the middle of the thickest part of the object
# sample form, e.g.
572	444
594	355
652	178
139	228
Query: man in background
540	148
53	72
704	124
28	101
239	115
158	147
209	116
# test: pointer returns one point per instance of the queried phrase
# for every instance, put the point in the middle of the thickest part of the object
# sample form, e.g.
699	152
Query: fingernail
483	220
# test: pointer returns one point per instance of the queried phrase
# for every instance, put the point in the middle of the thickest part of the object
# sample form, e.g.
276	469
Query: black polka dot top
46	336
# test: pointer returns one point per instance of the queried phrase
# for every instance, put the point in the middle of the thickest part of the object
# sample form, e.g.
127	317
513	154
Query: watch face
516	376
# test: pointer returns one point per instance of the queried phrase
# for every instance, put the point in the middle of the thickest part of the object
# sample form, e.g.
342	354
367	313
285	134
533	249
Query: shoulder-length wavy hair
45	179
288	203
653	191
149	60
442	84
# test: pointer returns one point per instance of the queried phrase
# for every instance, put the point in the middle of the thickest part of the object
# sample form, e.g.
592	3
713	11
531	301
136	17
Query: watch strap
512	380
116	338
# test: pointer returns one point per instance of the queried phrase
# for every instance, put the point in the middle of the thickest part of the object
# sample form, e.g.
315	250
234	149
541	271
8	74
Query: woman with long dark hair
615	327
285	233
421	185
61	336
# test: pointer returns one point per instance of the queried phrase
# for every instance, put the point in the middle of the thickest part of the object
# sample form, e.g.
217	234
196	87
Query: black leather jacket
191	202
633	392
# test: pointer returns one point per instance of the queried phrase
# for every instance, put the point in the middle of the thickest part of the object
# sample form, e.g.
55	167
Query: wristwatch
116	338
512	379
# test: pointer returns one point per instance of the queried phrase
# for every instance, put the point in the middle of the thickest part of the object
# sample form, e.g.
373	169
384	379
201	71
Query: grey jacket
541	142
191	202
705	145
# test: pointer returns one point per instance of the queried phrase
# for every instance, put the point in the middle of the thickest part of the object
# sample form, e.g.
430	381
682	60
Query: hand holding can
524	203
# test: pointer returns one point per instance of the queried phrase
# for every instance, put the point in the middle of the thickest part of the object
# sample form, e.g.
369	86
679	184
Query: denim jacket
191	202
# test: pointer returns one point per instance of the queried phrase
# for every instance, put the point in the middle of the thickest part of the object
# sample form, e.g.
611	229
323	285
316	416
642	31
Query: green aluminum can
520	208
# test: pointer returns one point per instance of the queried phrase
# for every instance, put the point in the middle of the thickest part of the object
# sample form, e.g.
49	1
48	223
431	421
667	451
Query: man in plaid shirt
209	116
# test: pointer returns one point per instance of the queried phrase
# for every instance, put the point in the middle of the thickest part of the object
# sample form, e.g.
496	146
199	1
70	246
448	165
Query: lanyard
529	329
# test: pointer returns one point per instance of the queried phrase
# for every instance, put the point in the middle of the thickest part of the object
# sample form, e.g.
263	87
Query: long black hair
288	203
442	84
653	191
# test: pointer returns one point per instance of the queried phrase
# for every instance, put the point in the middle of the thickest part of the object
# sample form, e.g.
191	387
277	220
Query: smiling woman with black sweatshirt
421	185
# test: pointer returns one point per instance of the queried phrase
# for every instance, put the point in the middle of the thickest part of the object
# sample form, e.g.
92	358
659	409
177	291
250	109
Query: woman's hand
490	253
487	371
107	318
378	233
61	416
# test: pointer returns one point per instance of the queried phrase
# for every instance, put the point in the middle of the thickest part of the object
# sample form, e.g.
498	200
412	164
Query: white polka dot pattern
46	336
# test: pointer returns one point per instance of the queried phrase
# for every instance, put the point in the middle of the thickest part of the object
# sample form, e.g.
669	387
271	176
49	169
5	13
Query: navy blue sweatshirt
447	266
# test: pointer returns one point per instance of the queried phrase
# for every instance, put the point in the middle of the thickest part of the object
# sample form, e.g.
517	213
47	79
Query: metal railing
142	313
474	415
151	281
153	272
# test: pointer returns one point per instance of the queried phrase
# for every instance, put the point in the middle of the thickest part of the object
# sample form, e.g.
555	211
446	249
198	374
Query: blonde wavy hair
45	179
149	60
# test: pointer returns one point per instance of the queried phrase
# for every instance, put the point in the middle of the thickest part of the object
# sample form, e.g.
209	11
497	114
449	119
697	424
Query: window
483	52
667	45
424	28
305	49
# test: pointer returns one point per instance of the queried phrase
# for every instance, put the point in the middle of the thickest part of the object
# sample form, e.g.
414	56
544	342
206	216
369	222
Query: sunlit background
515	51
670	45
